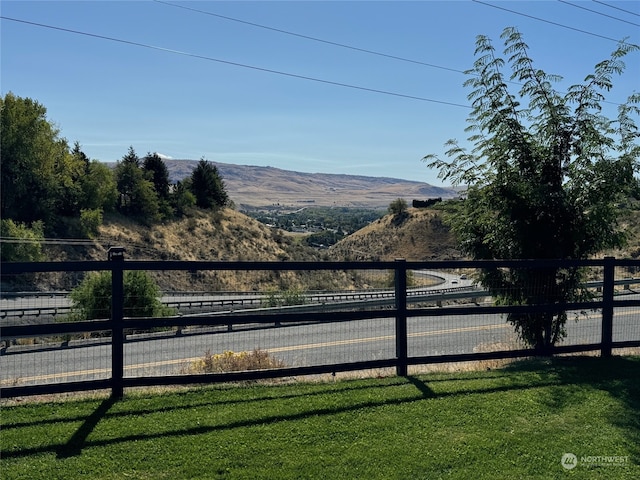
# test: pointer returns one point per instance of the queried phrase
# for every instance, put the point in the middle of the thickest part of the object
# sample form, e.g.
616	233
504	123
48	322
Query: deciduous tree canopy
544	176
57	191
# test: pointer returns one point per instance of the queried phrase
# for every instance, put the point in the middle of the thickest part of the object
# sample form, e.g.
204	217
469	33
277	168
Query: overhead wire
308	37
236	64
48	241
329	42
74	242
617	8
586	32
338	44
598	13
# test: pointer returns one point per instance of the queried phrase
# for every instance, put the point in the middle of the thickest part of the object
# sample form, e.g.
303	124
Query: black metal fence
429	313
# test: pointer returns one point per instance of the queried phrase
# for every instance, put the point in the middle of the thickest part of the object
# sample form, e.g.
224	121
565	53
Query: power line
236	64
49	241
287	74
554	23
598	13
617	8
315	39
73	242
330	42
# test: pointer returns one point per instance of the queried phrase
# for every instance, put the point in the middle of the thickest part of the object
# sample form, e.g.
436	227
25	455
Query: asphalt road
299	345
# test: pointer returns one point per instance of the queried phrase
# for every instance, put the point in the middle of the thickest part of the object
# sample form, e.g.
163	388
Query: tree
207	186
31	160
99	187
92	298
400	211
398	207
128	175
137	195
181	198
69	172
543	178
158	174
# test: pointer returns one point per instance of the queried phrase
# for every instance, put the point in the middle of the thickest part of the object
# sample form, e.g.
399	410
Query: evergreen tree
207	186
158	174
182	199
138	198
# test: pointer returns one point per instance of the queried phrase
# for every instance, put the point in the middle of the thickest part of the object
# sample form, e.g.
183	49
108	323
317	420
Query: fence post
401	317
116	257
607	306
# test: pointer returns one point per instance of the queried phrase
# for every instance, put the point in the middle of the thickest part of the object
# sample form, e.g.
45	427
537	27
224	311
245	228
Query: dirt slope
419	236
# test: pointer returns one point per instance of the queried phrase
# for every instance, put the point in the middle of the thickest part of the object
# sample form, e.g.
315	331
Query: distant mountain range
254	186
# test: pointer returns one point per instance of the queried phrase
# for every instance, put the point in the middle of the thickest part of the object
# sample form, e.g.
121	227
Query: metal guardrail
251	299
235	299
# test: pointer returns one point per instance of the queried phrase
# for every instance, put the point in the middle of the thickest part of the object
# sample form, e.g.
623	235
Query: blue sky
110	95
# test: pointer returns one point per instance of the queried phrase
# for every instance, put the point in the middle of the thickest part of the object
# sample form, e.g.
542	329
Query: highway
295	345
43	307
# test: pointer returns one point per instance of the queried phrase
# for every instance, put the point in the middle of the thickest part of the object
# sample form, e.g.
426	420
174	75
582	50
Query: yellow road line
307	346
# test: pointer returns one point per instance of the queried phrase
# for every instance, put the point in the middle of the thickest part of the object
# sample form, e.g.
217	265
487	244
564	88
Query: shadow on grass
180	401
618	376
75	444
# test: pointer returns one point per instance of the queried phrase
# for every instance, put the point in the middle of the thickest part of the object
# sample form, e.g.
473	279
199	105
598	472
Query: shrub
398	207
229	361
292	296
90	221
92	298
25	246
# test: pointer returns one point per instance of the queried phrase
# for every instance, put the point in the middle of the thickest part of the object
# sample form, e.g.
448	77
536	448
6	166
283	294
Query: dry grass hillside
226	235
421	235
255	186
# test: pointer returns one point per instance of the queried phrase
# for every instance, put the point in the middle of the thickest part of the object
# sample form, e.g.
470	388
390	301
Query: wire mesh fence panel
220	317
56	363
334	343
626	320
443	287
582	327
459	334
626	324
40	300
269	346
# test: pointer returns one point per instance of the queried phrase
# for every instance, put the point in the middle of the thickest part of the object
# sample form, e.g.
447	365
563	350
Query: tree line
50	189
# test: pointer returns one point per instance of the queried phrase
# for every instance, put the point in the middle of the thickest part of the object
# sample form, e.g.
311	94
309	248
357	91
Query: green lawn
510	423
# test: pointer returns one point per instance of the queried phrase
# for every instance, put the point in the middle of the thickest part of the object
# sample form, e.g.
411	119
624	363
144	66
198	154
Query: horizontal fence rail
322	332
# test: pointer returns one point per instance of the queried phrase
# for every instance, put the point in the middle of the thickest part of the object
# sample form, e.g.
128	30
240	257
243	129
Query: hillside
226	235
254	186
419	236
229	235
423	236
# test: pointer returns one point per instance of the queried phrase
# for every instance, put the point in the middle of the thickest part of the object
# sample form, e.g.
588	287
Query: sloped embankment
420	235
